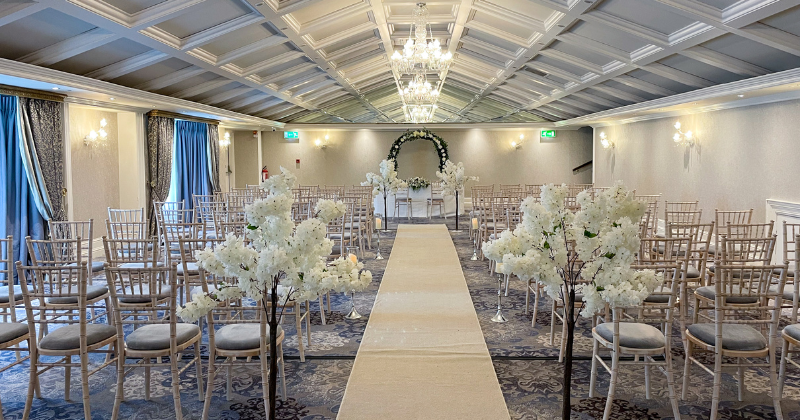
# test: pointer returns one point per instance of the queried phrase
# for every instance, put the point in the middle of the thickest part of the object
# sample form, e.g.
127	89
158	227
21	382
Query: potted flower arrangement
586	253
276	253
417	183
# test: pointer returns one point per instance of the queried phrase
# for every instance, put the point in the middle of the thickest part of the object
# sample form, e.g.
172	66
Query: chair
689	217
436	199
59	296
10	294
681	205
126	224
724	218
11	335
631	332
742	310
652	207
146	297
131	253
238	330
73	230
402	198
575	189
789	253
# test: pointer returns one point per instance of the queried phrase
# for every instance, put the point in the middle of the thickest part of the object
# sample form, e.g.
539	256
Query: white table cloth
419	204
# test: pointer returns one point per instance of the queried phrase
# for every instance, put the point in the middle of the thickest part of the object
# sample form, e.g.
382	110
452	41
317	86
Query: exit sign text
548	133
291	135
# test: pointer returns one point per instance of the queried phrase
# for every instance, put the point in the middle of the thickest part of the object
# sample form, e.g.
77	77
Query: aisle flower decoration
453	180
417	183
587	253
385	182
275	262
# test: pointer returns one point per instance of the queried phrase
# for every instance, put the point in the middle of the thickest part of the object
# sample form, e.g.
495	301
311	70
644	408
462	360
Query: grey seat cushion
68	337
736	273
191	267
96	266
11	331
709	292
735	337
135	296
632	335
156	336
4	293
92	292
793	331
692	272
240	336
657	298
140	265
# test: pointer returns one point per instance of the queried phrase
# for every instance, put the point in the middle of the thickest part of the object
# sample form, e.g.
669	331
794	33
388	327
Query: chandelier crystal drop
419	90
419	114
421	52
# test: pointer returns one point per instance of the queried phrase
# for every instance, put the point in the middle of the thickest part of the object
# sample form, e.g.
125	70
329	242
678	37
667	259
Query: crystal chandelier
419	114
420	52
419	90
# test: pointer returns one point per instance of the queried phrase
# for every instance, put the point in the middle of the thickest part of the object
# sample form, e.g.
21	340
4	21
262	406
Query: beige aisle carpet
423	355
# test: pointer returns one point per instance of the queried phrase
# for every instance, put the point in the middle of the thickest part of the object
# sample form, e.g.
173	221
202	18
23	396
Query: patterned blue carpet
530	379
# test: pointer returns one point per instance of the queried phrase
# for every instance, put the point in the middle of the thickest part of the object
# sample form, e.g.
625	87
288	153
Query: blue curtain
190	175
22	217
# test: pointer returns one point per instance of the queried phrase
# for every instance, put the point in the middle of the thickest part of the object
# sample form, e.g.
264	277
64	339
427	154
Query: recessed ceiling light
111	99
55	88
741	96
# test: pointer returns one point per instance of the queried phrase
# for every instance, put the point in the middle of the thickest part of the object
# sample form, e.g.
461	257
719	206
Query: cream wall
485	153
742	157
245	159
95	170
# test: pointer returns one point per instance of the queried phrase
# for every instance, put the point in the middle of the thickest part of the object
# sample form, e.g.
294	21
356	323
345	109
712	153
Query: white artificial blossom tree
384	182
276	253
453	180
586	253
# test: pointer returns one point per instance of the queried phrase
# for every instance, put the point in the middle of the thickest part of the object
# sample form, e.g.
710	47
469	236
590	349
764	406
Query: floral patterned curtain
213	156
42	127
160	135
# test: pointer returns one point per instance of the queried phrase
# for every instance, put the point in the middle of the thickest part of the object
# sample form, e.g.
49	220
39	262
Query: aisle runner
423	355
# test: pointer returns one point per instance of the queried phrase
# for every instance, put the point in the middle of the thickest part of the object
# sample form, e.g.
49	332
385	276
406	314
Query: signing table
419	204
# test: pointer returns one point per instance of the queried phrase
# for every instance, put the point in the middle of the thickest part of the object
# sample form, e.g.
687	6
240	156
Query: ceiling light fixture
421	52
419	114
741	96
419	90
55	88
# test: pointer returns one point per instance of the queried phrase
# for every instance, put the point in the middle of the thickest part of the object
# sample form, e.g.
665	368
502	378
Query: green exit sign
548	133
294	135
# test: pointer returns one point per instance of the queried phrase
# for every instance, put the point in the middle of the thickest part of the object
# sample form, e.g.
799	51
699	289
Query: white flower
453	177
328	210
385	182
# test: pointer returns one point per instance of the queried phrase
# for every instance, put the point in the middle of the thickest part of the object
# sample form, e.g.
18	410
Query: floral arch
421	134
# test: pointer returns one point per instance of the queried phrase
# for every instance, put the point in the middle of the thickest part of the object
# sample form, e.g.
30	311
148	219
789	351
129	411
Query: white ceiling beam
521	84
128	65
291	71
624	25
313	87
333	18
723	61
202	88
12	12
251	48
643	86
161	12
299	81
70	47
677	75
555	71
171	78
772	37
225	95
571	59
208	35
593	45
539	79
508	15
617	93
272	62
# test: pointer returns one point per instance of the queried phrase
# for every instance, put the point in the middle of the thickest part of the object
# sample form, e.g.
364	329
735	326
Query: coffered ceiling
324	61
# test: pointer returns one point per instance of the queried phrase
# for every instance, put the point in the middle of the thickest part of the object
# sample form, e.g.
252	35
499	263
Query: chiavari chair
652	206
237	332
126	223
402	198
791	333
533	190
631	330
725	218
10	293
791	293
742	310
575	189
131	253
689	217
477	207
58	296
149	296
681	205
436	199
78	229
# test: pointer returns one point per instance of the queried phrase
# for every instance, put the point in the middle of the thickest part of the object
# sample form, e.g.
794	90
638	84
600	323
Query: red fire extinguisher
264	173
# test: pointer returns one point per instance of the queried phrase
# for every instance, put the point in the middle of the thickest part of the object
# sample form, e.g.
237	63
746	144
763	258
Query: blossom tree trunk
385	212
456	210
272	321
569	318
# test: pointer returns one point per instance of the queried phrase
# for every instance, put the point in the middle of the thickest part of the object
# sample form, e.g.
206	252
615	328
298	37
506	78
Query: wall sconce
94	137
322	145
682	138
517	144
605	141
226	140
